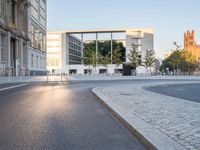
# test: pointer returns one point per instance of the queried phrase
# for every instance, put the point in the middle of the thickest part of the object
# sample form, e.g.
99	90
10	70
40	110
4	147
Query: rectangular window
37	61
38	39
32	60
35	9
13	9
2	7
43	13
44	43
2	48
41	62
33	42
45	63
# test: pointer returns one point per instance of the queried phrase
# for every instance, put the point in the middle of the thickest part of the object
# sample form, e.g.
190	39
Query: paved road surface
59	116
189	92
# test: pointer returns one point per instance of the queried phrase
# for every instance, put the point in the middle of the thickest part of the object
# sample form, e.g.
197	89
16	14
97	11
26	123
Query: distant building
67	50
63	50
191	45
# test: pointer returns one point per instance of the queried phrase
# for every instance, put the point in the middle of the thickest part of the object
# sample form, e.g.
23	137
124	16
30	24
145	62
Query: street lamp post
177	49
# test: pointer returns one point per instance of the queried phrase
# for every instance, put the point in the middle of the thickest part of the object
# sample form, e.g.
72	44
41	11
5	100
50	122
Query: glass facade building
74	51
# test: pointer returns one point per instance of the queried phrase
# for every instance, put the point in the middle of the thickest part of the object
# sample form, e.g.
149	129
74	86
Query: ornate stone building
13	36
22	37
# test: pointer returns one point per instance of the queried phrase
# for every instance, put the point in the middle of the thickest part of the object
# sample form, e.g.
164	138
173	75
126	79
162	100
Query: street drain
126	94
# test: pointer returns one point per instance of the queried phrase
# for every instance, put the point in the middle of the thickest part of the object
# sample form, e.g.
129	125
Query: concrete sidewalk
114	77
161	122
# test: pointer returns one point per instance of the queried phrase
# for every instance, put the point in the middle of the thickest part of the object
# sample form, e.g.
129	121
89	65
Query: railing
61	77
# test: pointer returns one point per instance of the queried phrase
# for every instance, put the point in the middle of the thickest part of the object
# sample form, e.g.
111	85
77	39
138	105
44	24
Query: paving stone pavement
178	119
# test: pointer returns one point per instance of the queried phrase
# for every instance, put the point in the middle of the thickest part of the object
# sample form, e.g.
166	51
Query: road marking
181	89
12	87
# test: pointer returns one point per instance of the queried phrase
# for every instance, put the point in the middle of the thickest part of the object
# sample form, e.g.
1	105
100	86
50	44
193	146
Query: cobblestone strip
178	119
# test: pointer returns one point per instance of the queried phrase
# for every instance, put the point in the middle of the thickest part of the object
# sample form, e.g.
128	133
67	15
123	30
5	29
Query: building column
111	48
97	47
1	44
25	57
1	53
82	47
8	53
21	56
17	55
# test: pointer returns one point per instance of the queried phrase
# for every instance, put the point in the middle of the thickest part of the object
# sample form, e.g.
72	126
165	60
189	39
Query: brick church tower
190	44
189	40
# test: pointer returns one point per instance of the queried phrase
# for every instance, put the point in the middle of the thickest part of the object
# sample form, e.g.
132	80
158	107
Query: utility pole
177	49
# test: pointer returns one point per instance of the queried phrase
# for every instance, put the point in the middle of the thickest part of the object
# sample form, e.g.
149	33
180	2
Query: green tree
134	57
175	60
89	58
105	47
105	60
149	59
188	61
117	57
166	64
182	60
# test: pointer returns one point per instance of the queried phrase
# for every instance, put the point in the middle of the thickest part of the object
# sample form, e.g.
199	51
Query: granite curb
147	134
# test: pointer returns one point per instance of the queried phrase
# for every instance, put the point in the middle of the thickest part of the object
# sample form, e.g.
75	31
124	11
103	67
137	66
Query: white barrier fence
62	78
32	79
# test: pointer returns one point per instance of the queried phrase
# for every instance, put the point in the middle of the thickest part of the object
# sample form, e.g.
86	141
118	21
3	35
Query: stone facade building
17	37
37	34
13	36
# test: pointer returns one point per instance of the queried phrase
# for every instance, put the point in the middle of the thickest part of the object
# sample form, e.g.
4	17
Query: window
45	63
1	7
33	42
41	62
37	61
13	5
44	42
35	9
38	39
32	60
1	48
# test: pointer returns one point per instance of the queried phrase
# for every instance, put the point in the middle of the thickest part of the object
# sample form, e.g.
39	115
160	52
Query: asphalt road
189	92
60	116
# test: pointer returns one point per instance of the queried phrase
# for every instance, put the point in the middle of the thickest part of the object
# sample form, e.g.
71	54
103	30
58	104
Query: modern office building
63	50
22	37
73	49
142	39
